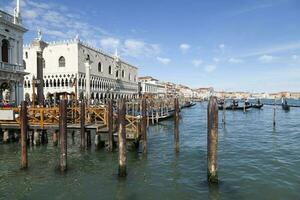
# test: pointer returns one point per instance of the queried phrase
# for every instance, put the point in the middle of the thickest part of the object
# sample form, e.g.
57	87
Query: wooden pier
102	118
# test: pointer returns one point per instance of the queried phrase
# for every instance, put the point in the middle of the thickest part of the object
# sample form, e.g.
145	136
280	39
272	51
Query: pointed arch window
123	73
62	61
99	67
109	70
24	64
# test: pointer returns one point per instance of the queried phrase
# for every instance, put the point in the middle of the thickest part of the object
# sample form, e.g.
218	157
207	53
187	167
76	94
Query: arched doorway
4	50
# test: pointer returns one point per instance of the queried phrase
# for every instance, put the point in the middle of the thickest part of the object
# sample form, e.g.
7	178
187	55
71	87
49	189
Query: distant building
204	93
170	89
11	61
152	87
75	67
184	91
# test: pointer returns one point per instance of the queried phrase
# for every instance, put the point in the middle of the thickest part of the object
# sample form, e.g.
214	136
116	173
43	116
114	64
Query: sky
232	45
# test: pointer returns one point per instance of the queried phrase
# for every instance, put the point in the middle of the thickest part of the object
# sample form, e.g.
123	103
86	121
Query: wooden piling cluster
137	113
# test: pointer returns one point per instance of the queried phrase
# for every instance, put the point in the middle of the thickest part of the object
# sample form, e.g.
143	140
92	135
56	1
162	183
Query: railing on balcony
6	16
11	67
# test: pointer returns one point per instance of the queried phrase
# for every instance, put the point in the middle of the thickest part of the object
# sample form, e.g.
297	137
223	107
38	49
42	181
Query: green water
255	162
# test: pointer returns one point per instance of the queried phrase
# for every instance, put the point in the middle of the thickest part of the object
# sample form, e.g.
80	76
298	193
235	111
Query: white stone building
68	66
184	91
11	61
151	86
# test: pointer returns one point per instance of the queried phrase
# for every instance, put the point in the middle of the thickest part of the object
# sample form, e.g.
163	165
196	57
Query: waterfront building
170	89
11	61
75	67
150	86
205	93
184	91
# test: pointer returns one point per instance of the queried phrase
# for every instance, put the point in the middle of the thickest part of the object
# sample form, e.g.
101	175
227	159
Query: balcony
6	16
10	67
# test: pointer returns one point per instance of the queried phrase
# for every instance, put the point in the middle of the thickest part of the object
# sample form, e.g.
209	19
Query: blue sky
245	45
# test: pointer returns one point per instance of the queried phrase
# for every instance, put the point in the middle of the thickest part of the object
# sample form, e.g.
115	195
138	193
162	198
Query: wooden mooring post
122	139
24	128
110	125
212	140
63	134
224	113
274	113
176	125
144	126
82	125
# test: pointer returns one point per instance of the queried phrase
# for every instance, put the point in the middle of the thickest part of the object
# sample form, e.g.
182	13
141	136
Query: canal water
256	161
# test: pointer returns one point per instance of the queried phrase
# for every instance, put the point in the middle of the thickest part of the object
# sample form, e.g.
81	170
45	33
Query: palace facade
75	67
11	60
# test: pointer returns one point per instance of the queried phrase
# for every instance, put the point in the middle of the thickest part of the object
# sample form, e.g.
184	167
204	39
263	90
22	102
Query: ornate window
99	67
109	70
4	50
123	73
62	61
117	74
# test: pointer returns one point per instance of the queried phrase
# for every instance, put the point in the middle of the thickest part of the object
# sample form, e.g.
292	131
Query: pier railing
42	117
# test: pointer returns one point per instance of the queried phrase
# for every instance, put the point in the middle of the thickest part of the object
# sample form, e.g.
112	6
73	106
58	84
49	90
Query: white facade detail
11	60
75	67
151	86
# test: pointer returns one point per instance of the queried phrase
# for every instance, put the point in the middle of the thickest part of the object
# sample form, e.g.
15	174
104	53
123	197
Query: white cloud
235	60
109	43
197	62
164	61
184	47
274	49
295	57
210	68
221	46
266	58
216	60
30	14
137	48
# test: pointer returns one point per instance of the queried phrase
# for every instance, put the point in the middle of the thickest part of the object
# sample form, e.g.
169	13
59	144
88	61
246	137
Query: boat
188	104
191	104
258	106
234	107
285	105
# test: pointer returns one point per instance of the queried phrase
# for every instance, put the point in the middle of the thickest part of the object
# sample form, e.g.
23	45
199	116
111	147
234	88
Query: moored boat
285	105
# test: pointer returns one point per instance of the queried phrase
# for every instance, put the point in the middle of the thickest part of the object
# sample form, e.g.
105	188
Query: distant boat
235	106
258	106
188	104
285	105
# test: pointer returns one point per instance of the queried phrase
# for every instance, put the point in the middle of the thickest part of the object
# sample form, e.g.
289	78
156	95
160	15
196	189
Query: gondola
235	107
232	107
191	104
285	107
258	106
188	104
